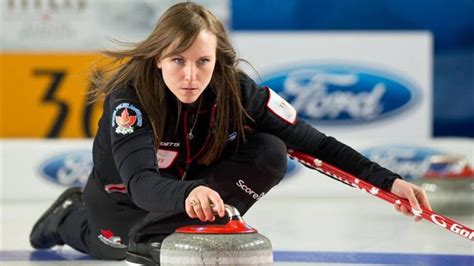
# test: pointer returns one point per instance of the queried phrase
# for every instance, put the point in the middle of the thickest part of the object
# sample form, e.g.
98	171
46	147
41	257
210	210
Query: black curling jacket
139	173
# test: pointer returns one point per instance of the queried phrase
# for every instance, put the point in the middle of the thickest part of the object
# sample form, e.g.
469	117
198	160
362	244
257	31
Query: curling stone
449	184
235	243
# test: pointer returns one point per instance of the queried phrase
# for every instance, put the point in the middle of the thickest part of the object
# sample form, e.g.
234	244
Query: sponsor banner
42	169
46	95
349	85
34	169
417	162
70	168
84	25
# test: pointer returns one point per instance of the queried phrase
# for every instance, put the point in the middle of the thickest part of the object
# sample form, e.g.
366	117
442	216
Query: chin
188	100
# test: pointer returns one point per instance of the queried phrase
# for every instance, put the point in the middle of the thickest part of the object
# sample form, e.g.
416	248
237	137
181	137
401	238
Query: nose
190	72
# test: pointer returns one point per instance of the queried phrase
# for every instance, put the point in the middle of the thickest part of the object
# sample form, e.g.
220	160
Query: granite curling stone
234	243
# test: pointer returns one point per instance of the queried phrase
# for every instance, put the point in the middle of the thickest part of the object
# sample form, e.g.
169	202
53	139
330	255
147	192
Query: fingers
201	202
410	195
203	210
199	208
424	200
218	204
189	206
207	210
416	197
402	209
418	200
397	207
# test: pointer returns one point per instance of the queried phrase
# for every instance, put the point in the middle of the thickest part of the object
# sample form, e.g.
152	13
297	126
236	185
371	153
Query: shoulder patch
280	107
125	117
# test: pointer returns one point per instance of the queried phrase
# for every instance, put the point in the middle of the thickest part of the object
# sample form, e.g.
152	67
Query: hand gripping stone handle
353	181
235	225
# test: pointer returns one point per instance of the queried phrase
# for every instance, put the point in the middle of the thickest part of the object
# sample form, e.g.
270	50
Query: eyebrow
199	57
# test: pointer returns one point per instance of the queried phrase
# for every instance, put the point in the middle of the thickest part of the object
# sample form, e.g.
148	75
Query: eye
178	60
203	61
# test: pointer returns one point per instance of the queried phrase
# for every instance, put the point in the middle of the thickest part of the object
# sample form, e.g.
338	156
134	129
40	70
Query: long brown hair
180	24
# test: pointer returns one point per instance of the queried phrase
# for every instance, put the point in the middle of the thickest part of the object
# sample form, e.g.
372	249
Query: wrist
388	184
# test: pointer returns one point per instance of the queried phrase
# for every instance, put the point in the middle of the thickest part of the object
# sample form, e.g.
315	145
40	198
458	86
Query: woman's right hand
198	204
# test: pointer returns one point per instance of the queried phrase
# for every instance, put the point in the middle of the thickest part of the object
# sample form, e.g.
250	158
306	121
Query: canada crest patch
109	238
125	118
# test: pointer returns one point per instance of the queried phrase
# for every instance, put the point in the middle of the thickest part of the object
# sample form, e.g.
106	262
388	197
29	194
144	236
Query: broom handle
353	181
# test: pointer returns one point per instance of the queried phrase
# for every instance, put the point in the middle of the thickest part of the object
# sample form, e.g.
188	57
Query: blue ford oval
68	169
342	93
411	162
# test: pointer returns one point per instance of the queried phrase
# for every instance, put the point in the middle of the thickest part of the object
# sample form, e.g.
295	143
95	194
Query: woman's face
189	73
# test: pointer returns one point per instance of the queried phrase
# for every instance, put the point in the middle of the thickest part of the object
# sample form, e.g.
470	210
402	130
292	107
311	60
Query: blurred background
393	79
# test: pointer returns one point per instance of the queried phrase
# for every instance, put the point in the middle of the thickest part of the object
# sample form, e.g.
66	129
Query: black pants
103	228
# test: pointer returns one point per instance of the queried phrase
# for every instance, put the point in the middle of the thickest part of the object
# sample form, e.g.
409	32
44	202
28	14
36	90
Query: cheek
207	73
169	76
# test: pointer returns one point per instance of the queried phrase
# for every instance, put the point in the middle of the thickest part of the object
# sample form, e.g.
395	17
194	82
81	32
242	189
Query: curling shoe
147	254
44	234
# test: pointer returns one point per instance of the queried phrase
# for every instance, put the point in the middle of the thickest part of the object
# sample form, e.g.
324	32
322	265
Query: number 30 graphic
57	77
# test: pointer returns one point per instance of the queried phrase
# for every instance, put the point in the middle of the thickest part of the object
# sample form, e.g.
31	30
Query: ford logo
341	93
414	162
68	169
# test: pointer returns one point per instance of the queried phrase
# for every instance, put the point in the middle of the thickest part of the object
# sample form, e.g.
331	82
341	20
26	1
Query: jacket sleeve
272	114
134	153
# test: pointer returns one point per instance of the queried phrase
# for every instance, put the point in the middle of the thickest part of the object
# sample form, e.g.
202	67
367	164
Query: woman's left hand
416	197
